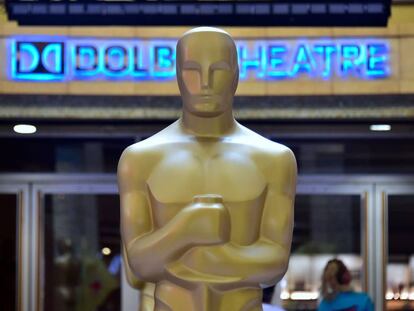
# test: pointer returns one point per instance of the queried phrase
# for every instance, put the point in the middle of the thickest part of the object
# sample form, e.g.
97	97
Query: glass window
400	267
326	226
62	155
8	251
357	156
82	259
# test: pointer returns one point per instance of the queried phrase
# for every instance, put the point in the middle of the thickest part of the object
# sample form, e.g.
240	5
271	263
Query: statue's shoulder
144	155
139	150
153	144
137	161
264	145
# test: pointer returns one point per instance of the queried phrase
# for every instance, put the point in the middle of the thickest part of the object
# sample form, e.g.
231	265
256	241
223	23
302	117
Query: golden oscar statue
207	204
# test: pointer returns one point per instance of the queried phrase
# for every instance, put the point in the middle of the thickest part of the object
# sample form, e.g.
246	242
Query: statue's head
207	71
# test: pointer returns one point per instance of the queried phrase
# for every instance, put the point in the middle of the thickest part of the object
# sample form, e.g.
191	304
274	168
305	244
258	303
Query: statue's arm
266	260
133	281
273	247
149	249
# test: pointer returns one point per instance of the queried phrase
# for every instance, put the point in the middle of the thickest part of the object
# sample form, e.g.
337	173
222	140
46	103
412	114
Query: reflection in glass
400	268
64	155
82	262
8	251
353	156
326	226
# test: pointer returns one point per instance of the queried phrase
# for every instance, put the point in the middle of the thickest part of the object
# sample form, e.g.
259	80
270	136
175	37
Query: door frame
39	190
328	186
23	247
384	190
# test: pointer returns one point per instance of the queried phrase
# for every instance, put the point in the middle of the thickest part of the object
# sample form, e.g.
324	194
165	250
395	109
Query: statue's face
207	73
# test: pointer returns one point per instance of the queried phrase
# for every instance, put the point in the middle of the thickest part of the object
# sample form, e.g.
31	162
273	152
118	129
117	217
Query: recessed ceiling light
24	129
380	127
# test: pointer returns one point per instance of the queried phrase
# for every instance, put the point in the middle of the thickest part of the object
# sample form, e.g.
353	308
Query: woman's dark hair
342	277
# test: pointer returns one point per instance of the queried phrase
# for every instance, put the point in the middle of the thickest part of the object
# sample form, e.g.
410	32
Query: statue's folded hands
195	224
259	263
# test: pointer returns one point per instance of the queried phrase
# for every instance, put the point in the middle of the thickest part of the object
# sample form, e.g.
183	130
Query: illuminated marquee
66	59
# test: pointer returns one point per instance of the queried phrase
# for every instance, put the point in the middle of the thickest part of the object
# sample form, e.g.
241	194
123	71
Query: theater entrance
62	231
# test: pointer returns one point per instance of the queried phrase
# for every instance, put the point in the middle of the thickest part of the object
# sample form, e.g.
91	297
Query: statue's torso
228	169
237	168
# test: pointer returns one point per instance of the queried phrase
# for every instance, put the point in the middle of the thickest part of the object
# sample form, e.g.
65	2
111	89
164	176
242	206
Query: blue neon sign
66	59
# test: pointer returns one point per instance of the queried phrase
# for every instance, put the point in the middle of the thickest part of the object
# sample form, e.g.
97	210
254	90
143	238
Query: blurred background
82	80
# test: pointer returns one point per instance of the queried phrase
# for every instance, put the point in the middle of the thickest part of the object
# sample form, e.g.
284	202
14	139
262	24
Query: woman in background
337	294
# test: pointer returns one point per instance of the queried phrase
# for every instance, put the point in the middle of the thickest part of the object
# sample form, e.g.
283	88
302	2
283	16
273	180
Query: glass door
78	250
397	202
331	221
14	252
